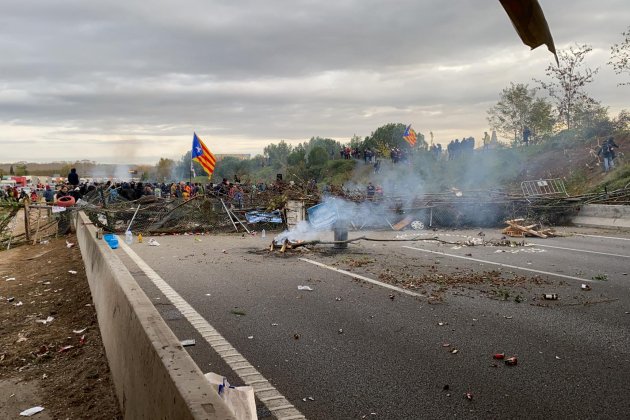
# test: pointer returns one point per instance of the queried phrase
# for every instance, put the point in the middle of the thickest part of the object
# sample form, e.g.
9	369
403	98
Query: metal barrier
544	188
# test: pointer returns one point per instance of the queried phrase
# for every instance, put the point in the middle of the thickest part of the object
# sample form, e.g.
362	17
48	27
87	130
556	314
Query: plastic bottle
128	237
263	234
139	238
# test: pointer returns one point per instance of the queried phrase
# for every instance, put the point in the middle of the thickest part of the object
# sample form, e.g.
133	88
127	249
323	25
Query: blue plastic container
112	240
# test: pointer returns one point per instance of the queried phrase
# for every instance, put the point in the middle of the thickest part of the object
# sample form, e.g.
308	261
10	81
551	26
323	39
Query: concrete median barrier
603	215
154	377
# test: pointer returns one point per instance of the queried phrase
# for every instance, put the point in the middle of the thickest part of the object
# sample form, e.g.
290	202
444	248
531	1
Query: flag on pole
202	154
410	136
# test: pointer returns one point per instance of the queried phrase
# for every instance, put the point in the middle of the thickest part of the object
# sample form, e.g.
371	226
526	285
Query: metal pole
229	215
134	216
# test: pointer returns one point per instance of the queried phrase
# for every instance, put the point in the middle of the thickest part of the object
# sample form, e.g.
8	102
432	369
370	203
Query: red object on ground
511	361
66	201
499	356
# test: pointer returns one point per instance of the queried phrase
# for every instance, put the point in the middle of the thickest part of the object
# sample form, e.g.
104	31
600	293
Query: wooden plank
404	222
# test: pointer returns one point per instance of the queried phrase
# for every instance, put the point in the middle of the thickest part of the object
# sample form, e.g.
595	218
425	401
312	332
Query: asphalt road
359	353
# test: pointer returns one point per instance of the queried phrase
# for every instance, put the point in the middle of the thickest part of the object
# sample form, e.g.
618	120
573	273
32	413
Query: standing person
73	177
371	189
526	135
486	140
49	195
607	153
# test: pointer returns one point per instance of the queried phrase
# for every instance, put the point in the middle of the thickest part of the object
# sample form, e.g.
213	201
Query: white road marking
499	264
584	250
278	404
605	237
367	279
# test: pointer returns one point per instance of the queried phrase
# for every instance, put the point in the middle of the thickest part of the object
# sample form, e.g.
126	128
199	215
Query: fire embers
285	244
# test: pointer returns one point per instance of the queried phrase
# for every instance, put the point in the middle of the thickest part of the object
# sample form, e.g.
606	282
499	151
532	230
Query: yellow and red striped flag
410	136
202	154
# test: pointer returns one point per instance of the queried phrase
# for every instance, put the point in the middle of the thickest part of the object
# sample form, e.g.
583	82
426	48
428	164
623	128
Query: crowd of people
233	193
457	148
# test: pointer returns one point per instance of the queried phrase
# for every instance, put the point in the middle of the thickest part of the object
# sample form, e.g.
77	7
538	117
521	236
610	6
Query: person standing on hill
73	177
607	153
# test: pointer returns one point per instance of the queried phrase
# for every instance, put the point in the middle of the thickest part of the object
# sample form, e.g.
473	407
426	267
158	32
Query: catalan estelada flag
410	136
201	154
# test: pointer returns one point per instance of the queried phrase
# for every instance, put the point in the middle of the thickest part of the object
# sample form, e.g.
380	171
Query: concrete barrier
154	377
603	215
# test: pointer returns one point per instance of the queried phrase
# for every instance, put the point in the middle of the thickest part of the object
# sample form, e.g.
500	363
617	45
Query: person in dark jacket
608	154
73	177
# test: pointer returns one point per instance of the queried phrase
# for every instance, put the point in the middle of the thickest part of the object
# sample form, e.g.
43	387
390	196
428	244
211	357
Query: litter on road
153	242
46	321
512	361
189	342
308	288
31	411
550	296
72	272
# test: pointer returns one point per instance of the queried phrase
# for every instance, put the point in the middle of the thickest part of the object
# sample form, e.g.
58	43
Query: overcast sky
129	81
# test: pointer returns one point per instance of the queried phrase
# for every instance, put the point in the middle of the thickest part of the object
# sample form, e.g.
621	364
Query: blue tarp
324	215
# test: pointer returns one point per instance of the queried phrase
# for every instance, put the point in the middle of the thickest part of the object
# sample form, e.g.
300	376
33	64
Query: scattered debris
296	336
46	321
550	296
308	288
557	357
153	242
251	337
338	299
340	331
72	272
31	411
586	287
392	297
499	356
69	244
10	299
274	325
238	312
441	324
454	351
189	342
10	279
468	396
308	399
81	331
65	349
512	361
515	229
21	338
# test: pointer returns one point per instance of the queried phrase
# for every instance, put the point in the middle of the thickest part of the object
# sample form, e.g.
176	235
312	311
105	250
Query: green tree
164	170
518	108
277	154
620	56
317	157
11	170
182	168
390	135
568	81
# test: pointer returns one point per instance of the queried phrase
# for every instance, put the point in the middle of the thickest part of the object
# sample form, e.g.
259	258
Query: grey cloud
273	69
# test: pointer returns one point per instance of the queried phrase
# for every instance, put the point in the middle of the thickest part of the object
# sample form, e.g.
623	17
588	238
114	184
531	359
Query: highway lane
389	357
